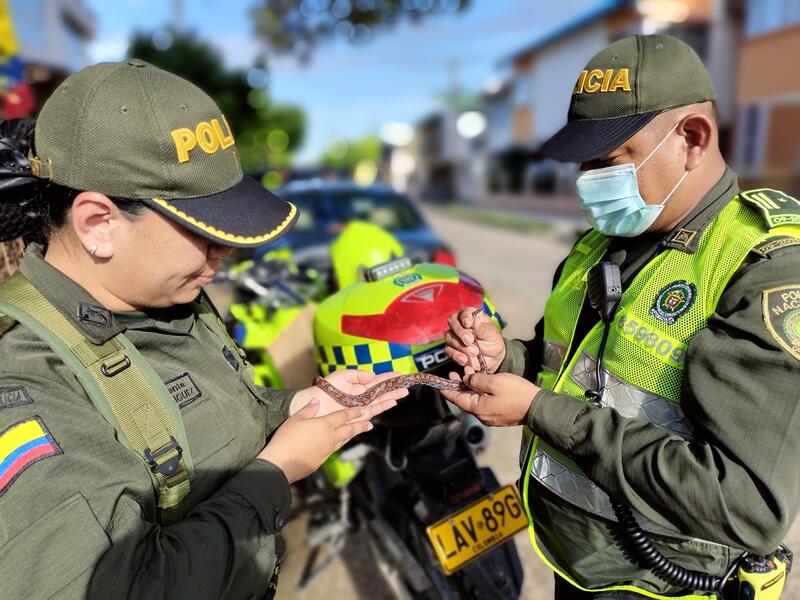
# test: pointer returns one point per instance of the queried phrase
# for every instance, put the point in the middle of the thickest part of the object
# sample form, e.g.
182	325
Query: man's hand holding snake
499	400
472	335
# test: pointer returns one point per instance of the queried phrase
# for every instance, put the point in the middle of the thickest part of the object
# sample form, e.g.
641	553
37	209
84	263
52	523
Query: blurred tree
344	155
266	133
298	26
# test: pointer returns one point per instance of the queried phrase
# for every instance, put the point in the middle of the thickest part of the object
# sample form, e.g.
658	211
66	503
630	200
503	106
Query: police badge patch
673	300
781	309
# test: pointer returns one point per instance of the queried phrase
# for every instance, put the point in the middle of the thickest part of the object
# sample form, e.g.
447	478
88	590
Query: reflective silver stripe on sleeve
553	355
581	491
631	401
562	476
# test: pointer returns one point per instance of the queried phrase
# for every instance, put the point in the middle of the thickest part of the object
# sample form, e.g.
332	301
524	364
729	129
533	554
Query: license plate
477	528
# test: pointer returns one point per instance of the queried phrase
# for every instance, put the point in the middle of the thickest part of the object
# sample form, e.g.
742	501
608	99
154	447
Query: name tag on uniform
183	389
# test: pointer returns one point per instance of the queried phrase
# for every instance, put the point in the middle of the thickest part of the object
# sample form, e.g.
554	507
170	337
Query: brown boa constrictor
401	381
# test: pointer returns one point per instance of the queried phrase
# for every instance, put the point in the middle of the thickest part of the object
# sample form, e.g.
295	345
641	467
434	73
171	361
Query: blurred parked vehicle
273	302
327	207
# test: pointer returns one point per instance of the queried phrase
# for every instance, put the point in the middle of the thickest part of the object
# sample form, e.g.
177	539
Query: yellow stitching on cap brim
222	235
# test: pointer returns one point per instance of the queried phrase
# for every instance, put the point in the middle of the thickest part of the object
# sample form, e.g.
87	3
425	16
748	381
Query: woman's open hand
306	439
350	381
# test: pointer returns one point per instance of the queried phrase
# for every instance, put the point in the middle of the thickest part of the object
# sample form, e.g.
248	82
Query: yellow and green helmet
397	321
359	246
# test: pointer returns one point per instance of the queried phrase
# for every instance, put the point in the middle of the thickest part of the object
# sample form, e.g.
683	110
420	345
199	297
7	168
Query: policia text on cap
691	421
137	457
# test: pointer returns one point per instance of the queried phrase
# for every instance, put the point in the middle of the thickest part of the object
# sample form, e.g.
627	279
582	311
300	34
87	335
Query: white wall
44	36
553	77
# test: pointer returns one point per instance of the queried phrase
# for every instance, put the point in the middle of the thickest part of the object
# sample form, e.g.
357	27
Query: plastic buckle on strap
115	368
170	465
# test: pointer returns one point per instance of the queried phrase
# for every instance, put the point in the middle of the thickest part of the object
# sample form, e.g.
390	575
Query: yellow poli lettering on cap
597	80
209	135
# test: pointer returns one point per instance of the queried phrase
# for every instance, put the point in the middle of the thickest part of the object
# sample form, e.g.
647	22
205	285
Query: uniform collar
633	253
93	320
686	236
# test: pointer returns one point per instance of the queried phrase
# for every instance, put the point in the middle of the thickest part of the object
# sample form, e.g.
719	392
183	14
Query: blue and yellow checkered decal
381	357
489	310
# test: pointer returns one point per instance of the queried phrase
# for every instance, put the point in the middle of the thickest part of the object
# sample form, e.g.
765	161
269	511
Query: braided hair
21	205
32	207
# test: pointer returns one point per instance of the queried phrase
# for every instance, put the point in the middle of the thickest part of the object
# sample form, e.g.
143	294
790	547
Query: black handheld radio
604	289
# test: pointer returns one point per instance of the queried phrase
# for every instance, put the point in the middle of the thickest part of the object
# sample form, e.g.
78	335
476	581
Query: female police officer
132	457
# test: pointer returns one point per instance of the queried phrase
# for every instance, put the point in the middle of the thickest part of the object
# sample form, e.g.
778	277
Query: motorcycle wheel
442	587
420	582
466	584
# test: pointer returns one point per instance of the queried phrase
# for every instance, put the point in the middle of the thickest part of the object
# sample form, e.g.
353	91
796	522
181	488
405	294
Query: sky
350	91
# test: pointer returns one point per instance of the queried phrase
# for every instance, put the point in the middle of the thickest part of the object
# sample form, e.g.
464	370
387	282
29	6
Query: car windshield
322	211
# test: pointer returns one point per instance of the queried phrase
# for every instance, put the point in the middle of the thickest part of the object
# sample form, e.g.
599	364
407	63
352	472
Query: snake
394	383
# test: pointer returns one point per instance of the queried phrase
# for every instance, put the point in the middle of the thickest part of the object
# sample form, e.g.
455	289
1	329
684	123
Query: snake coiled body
401	381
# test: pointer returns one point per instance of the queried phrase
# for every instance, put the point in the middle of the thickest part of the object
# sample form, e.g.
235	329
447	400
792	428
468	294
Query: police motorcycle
272	295
273	300
436	524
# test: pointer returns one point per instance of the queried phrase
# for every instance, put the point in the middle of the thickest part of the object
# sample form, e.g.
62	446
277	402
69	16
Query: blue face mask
611	202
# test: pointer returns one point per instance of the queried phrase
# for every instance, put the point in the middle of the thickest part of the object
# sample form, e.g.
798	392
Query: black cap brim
243	216
581	141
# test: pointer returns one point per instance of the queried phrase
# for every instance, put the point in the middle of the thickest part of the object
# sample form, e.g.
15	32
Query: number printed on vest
657	343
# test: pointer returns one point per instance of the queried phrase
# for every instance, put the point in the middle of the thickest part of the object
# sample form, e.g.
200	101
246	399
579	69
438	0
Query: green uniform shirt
736	483
83	522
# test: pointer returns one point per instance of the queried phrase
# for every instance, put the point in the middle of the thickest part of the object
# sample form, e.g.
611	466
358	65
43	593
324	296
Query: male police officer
696	428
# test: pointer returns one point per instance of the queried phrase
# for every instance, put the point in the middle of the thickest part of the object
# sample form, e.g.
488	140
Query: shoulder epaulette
774	243
777	209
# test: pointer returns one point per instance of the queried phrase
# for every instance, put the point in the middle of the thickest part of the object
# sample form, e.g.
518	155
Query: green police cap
622	88
131	130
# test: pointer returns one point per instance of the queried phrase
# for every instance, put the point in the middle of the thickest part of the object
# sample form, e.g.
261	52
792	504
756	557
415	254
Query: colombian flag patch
22	445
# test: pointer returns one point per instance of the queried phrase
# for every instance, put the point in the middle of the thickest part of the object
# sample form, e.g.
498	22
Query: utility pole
453	106
177	16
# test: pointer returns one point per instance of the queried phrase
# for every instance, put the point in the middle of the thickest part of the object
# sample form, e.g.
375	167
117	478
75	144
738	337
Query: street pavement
516	269
549	208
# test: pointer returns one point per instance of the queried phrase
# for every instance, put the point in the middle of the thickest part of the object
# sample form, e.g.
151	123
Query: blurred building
500	117
52	38
432	155
450	159
746	45
767	136
532	105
